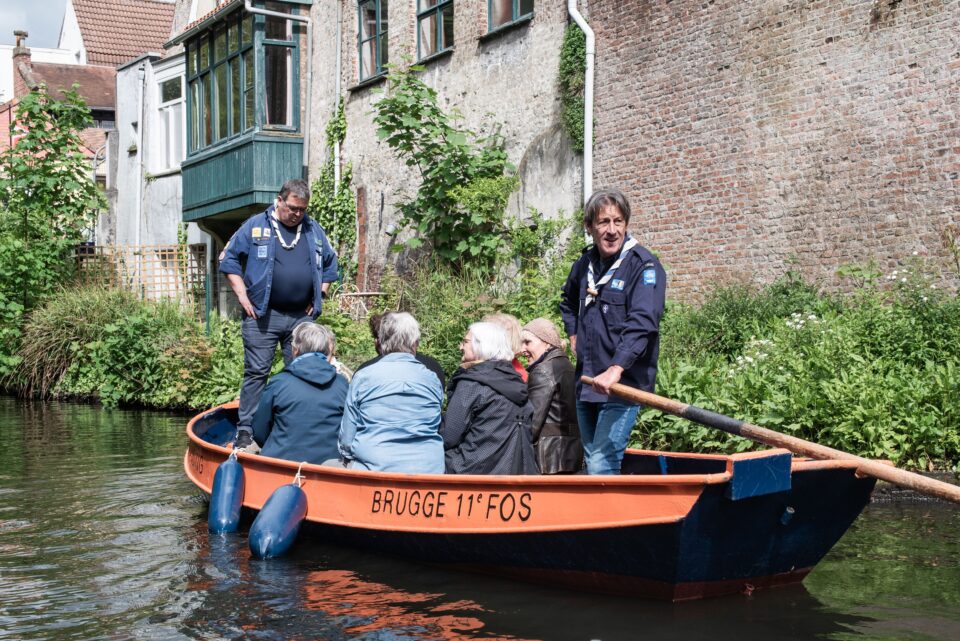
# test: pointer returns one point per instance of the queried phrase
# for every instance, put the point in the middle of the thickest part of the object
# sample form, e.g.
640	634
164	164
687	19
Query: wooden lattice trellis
155	272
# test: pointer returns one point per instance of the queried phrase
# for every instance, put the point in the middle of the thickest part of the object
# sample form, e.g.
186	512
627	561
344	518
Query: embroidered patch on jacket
262	251
255	232
223	254
616	283
650	276
266	232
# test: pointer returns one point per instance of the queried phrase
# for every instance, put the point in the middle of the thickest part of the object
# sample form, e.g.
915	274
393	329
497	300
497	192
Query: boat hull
675	526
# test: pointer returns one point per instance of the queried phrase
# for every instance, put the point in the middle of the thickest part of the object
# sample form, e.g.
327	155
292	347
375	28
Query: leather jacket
556	434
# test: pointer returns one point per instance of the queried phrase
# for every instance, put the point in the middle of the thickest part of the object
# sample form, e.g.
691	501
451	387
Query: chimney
23	80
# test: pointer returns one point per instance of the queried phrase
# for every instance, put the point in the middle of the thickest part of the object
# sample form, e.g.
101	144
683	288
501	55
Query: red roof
116	31
97	84
222	6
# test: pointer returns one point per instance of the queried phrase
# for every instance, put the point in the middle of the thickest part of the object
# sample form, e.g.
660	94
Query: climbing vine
573	67
334	206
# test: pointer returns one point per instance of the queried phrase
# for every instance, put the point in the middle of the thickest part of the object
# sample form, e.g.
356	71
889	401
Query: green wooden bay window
434	27
242	76
373	18
243	96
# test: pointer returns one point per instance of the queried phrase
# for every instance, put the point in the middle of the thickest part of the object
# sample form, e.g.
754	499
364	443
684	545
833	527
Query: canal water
101	537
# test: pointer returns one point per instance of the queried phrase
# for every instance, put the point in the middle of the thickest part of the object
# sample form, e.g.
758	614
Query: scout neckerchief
276	230
593	288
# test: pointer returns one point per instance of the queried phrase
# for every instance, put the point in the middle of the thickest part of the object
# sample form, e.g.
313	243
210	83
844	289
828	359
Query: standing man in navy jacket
611	306
280	265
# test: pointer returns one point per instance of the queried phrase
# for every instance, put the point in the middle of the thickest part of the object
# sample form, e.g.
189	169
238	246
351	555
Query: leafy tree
47	201
466	178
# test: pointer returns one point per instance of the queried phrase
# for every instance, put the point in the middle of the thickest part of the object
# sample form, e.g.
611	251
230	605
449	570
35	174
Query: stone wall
508	81
759	136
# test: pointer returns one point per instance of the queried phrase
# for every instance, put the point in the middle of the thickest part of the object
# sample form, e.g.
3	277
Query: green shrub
874	372
124	350
354	342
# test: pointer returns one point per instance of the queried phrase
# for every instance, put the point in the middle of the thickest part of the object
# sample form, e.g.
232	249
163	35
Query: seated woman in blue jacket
299	414
392	414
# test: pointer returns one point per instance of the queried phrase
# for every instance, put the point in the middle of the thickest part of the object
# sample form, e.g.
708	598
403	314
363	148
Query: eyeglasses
294	210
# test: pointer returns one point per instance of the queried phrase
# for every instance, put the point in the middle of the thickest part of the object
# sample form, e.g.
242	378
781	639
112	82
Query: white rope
276	230
298	479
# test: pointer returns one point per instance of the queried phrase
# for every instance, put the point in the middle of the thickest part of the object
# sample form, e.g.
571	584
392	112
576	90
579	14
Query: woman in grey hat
552	388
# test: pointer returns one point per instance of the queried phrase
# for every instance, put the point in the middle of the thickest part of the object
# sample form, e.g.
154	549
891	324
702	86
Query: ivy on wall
335	206
573	67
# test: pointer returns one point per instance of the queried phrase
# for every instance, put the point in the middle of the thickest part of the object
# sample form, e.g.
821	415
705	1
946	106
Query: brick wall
762	135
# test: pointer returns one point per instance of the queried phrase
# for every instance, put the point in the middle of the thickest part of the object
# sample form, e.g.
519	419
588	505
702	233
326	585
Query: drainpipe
587	100
305	20
336	144
141	75
94	163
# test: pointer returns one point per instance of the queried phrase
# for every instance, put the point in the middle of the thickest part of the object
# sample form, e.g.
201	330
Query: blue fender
276	527
226	498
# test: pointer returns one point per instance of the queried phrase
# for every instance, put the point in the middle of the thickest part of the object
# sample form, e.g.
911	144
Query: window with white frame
171	100
503	12
373	18
434	27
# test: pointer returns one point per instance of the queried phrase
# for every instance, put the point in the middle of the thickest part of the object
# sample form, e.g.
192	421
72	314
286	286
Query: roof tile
116	31
97	84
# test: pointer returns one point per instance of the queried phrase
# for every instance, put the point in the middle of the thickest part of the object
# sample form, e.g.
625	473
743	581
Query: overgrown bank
875	372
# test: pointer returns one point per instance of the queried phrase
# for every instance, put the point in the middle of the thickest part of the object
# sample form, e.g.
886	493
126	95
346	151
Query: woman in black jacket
552	386
486	429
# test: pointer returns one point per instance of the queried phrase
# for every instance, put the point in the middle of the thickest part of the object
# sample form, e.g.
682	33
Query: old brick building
754	137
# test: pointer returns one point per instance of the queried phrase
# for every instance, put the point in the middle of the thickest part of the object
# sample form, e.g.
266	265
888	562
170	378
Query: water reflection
101	537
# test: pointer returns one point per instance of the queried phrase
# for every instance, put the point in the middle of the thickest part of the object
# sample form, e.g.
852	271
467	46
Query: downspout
306	117
336	93
587	100
141	75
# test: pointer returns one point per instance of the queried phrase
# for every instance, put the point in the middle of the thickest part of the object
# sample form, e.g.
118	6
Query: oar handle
877	469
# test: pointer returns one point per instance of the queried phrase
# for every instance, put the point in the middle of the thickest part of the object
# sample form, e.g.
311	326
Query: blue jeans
605	429
260	339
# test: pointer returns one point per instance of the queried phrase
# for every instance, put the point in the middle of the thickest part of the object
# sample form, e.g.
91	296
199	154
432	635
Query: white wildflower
903	280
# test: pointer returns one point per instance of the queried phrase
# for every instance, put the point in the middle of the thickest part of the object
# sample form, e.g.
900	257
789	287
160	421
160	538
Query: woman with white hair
486	429
392	414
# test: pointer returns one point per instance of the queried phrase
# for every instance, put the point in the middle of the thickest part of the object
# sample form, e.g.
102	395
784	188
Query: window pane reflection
278	99
223	104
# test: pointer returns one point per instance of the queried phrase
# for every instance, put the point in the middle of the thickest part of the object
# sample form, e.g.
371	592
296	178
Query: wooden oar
796	445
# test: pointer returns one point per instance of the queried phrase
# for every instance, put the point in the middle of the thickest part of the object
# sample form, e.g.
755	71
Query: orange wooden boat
674	526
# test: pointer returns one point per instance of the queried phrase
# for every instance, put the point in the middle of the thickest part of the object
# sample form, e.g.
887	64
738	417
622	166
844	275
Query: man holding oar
611	306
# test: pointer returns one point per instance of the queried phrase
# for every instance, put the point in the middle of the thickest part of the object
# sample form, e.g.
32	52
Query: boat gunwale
581	480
